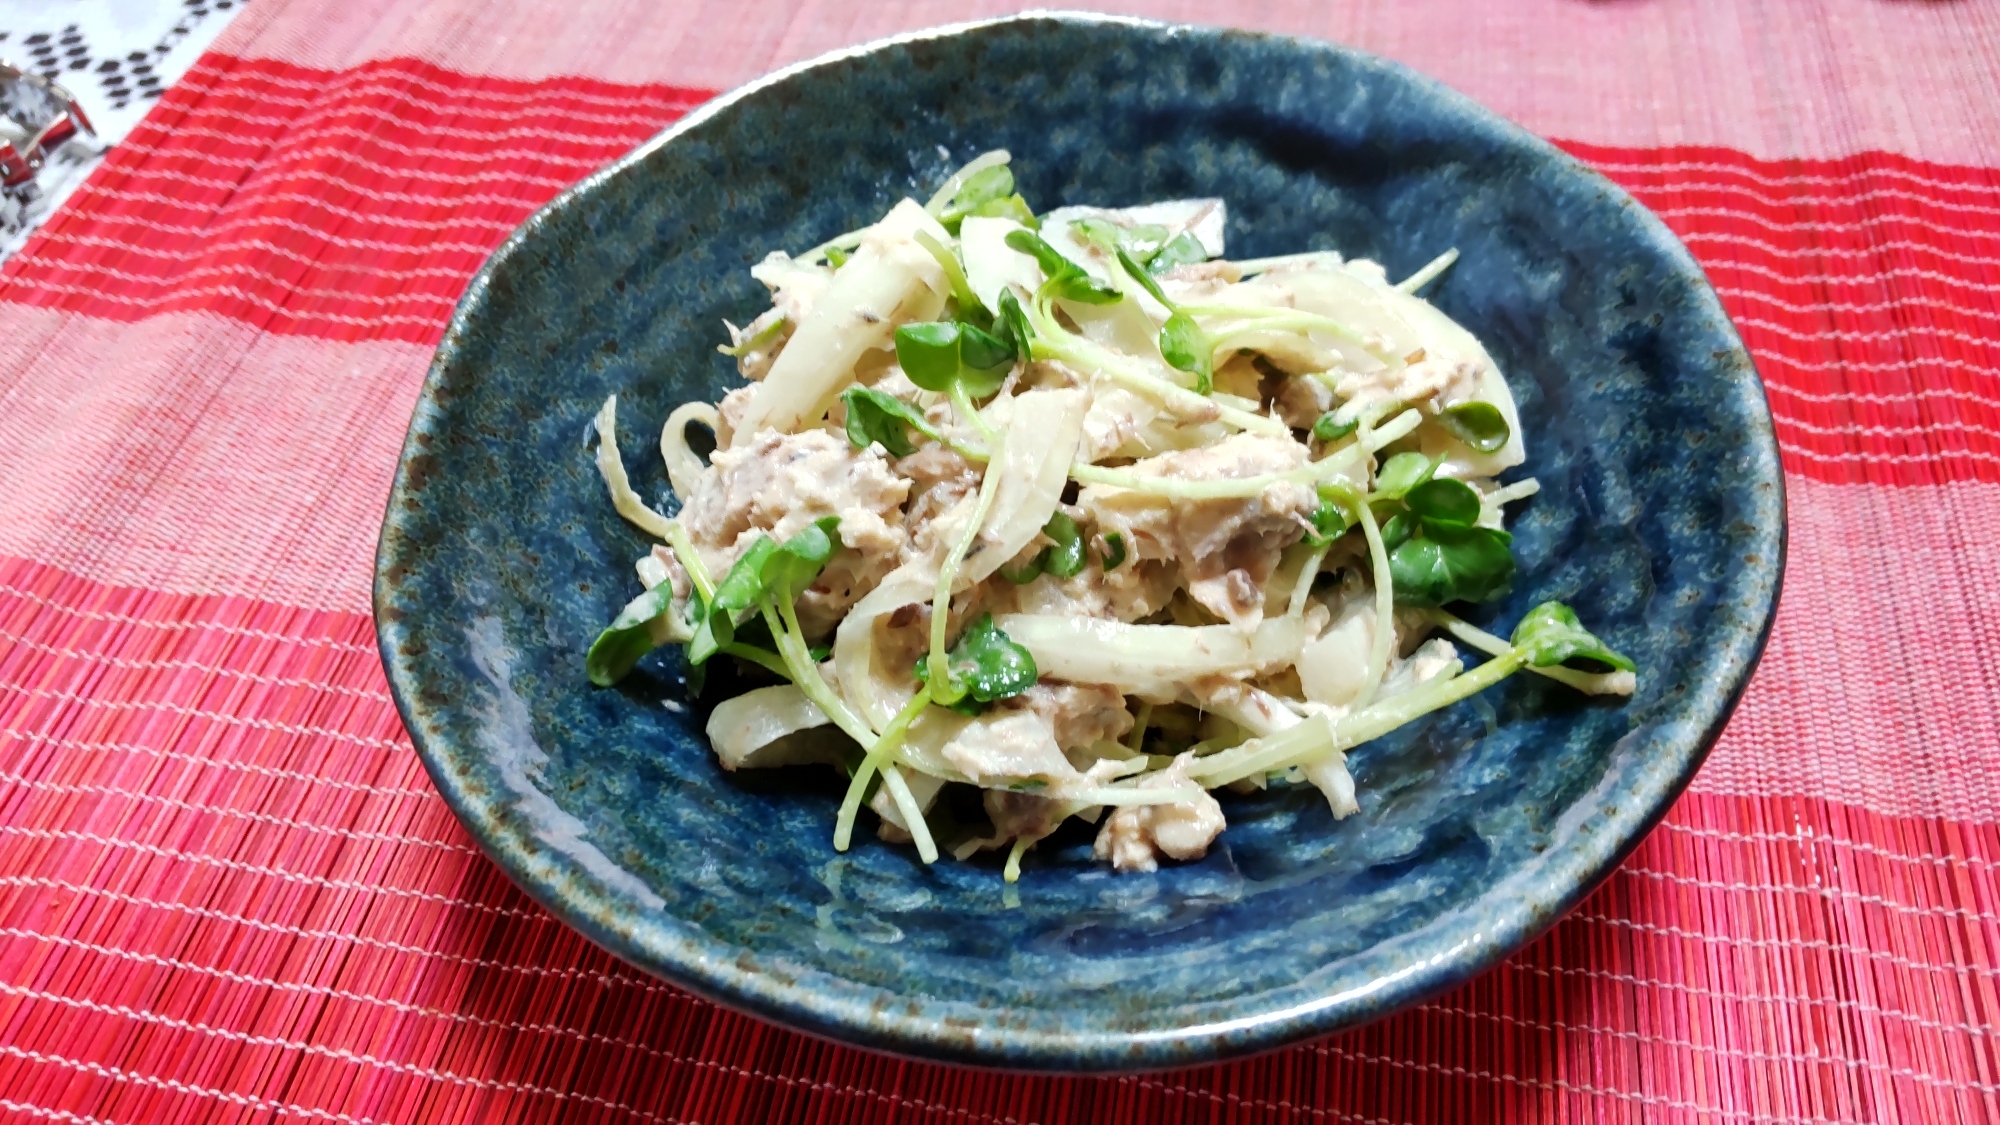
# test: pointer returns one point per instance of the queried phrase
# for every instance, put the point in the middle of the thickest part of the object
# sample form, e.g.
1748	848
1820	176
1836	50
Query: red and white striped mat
228	892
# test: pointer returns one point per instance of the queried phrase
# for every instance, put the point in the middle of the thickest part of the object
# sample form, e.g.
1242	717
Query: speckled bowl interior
1660	520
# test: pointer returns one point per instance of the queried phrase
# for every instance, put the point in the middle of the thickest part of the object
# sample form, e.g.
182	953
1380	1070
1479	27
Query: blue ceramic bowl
1661	520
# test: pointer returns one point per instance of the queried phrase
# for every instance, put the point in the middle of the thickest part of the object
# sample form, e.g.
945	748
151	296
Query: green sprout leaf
836	257
982	352
988	185
1329	520
1477	424
1330	428
1550	634
1452	564
1142	240
629	636
1083	289
743	587
928	353
1022	575
1437	554
1185	249
791	568
874	416
1065	559
1101	233
751	343
1398	530
735	596
1013	207
1183	344
1013	323
1401	473
1114	550
971	309
1045	256
1186	348
986	664
1145	279
1444	503
1065	279
937	354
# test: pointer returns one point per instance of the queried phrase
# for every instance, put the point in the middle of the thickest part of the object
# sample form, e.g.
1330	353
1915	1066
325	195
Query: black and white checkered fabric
116	57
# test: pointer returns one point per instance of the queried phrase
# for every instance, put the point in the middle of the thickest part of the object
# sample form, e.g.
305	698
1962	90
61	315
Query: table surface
229	893
116	57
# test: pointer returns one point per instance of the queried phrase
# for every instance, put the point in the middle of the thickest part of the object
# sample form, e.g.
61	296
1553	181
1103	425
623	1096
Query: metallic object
40	115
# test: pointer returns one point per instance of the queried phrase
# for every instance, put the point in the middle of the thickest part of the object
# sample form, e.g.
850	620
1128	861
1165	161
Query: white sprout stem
1134	765
1519	490
740	345
989	486
1252	266
1186	402
845	241
1385	604
772	664
1259	756
1303	587
1233	488
1136	741
954	273
1317	737
913	817
1208	746
1237	488
1077	801
1381	718
957	179
682	545
1590	683
792	646
961	399
1492	506
1120	796
1398	427
881	753
783	623
1371	412
1268	319
1012	871
1429	273
1051	338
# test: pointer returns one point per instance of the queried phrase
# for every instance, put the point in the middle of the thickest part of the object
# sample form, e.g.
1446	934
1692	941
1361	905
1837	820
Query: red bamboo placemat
228	893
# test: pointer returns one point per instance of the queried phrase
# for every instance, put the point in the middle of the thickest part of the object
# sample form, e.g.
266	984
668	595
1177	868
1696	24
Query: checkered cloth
228	892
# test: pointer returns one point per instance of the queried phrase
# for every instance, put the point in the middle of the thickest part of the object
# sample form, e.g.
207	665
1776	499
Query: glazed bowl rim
737	978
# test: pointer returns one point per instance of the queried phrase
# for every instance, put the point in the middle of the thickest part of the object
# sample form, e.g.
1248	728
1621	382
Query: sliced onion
757	720
611	467
683	467
1041	441
890	280
1150	661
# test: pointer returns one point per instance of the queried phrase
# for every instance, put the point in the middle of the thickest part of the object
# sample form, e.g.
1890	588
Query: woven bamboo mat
228	893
